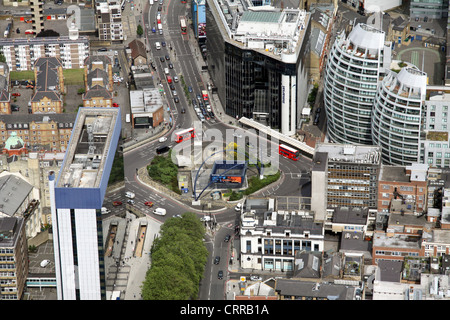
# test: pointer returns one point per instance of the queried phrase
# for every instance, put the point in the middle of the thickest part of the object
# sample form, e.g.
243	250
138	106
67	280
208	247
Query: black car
159	8
216	260
227	238
172	87
220	275
316	119
14	107
183	110
153	66
161	59
176	99
102	50
167	57
170	66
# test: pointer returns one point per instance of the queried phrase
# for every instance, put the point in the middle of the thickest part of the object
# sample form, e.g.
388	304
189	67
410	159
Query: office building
355	64
429	9
270	238
21	53
403	189
344	176
77	196
397	116
199	20
13	258
258	61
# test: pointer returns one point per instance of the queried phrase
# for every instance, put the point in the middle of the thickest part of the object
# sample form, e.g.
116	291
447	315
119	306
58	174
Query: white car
160	211
44	263
238	207
130	195
255	278
205	218
162	139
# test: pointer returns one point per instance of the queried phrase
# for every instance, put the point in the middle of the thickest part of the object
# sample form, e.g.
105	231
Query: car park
117	203
216	260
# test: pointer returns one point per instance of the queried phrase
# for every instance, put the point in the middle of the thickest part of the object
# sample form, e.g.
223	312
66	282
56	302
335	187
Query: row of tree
178	256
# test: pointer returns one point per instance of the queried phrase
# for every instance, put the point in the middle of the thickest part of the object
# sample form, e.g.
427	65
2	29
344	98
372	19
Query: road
295	178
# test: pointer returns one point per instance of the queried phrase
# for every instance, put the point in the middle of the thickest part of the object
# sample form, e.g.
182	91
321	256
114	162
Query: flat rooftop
273	31
88	148
350	153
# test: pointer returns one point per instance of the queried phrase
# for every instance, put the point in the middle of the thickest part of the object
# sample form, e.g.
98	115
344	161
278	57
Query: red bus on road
289	152
185	134
183	26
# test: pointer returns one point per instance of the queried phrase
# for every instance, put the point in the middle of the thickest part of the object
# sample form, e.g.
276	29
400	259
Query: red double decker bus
183	25
185	134
289	152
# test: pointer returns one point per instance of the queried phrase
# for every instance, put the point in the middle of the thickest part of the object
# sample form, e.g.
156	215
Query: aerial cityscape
226	150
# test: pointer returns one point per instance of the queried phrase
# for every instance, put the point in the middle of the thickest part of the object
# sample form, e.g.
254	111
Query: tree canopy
178	260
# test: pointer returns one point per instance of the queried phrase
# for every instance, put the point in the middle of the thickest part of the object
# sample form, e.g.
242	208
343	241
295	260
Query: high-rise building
77	197
344	176
397	116
258	61
354	66
13	258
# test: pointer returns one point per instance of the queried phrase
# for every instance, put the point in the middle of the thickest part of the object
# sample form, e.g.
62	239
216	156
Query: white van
166	70
130	194
105	210
157	45
127	117
160	211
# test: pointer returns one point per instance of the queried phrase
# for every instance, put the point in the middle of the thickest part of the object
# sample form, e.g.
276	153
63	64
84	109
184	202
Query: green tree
140	30
178	260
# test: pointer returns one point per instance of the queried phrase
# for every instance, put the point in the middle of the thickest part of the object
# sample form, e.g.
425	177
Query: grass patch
164	171
22	75
255	184
74	76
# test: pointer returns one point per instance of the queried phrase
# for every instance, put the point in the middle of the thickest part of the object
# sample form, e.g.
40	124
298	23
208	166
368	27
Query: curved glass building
355	64
397	116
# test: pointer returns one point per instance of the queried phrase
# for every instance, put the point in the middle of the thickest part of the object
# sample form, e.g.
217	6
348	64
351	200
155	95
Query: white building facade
269	240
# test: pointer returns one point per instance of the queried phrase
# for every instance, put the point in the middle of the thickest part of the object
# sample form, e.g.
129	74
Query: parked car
117	203
45	263
15	94
15	107
29	32
102	50
255	278
115	105
149	204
